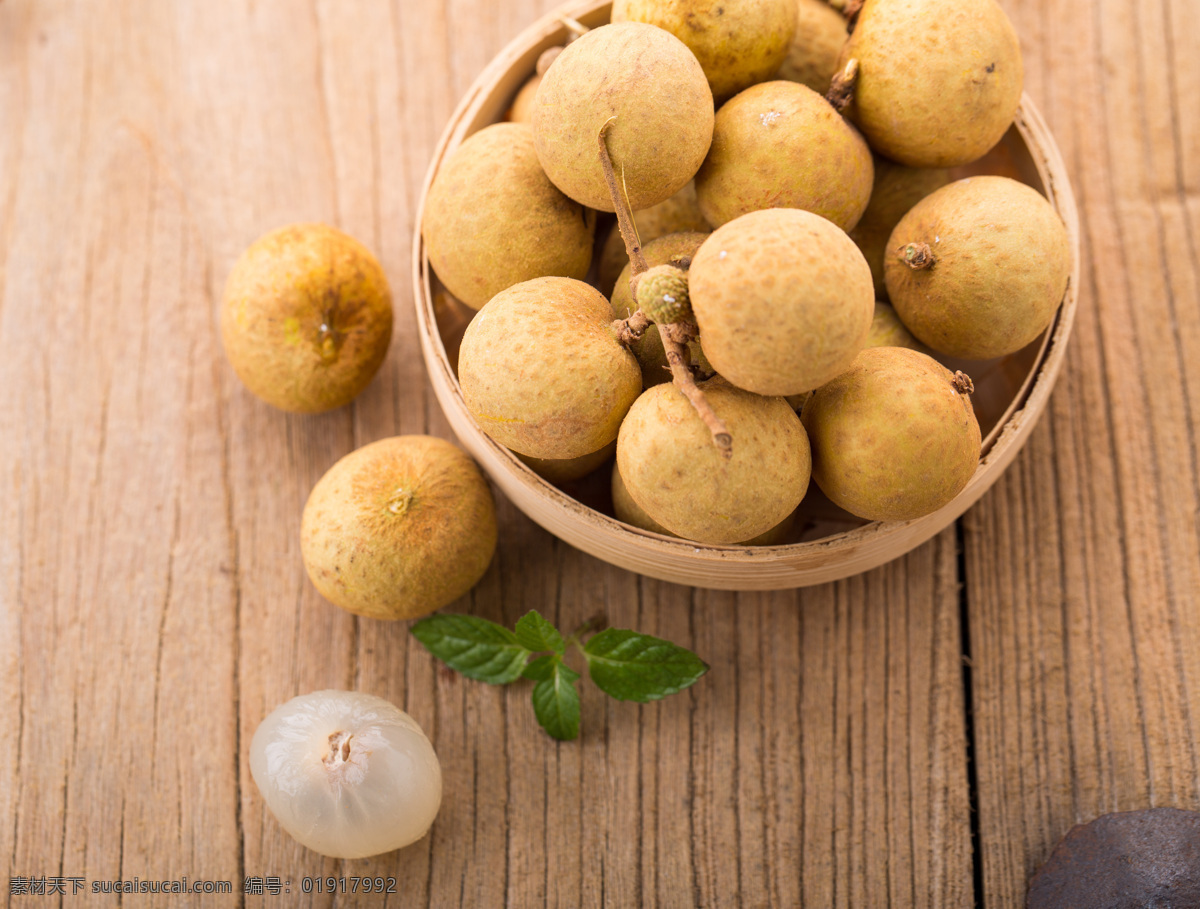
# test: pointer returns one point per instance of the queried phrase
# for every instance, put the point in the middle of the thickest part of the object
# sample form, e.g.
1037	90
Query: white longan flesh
347	774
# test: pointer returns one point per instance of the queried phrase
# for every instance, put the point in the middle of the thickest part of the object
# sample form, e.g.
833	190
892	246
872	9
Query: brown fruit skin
651	84
797	402
522	106
630	512
398	528
892	439
679	214
651	356
1001	260
566	470
813	57
776	535
897	189
783	299
738	42
306	318
677	475
888	331
781	145
542	372
493	218
939	81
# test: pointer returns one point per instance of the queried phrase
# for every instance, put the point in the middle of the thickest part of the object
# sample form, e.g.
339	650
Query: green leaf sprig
624	664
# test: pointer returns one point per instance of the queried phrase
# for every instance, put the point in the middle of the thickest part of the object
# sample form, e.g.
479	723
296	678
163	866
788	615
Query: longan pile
746	343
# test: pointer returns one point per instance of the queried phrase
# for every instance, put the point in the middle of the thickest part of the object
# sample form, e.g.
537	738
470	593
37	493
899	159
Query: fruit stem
917	256
841	90
633	327
851	9
633	245
575	26
339	749
674	337
962	383
595	623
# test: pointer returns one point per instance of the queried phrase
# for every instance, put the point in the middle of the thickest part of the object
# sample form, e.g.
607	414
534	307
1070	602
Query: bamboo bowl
827	543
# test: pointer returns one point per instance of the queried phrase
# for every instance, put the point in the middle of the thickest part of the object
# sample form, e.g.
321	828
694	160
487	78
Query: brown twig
677	356
631	329
674	338
577	28
917	256
633	245
851	10
841	90
685	332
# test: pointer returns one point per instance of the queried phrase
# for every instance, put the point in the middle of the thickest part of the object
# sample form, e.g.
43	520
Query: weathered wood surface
1083	564
153	606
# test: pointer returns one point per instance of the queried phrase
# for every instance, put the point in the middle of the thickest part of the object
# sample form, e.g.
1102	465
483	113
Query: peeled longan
650	86
894	437
939	81
994	261
781	145
672	470
493	218
306	318
542	371
398	528
783	299
348	774
738	42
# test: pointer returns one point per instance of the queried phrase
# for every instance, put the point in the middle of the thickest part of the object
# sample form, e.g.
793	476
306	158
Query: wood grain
153	606
1083	565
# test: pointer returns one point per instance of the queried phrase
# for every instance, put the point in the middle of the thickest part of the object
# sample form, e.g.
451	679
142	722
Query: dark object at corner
1147	859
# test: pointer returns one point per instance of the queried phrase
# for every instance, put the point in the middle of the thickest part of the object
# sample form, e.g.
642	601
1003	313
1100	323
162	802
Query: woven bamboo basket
828	544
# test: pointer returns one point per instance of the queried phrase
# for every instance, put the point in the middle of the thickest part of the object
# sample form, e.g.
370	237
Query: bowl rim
733	567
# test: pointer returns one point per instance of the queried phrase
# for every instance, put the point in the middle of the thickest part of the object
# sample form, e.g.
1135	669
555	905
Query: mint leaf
535	633
556	701
637	667
477	648
542	668
624	664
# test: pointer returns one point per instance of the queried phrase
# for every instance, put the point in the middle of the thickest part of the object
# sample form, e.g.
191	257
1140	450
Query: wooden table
918	736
